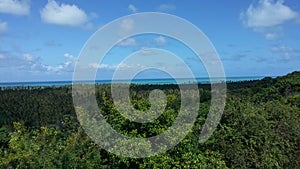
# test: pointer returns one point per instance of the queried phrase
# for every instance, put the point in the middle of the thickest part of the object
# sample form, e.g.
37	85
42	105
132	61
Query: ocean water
134	81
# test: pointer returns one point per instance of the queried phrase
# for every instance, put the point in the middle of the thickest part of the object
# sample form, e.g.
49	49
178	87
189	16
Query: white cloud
121	66
132	8
267	17
24	61
32	63
16	7
271	33
267	13
147	51
101	66
29	57
95	65
160	41
69	63
27	66
64	14
66	66
281	48
68	56
127	42
3	27
271	36
128	67
166	7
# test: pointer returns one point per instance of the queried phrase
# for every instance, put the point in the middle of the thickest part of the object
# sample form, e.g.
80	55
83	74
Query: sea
134	81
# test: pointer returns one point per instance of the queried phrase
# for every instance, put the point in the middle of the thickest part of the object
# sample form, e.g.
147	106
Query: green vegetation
260	128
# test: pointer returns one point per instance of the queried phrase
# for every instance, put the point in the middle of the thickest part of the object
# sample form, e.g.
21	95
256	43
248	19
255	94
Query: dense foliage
260	128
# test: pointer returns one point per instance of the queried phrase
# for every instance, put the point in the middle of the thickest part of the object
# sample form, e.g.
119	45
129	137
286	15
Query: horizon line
187	78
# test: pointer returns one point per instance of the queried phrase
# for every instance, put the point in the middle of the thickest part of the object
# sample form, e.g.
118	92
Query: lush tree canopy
260	128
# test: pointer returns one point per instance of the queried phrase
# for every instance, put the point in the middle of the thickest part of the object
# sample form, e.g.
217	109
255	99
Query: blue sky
41	40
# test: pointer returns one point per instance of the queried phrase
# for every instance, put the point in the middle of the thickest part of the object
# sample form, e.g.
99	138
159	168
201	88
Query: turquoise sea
134	81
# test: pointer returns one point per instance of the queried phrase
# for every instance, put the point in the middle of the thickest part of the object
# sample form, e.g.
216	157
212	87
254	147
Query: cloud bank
15	7
63	14
267	13
132	8
267	17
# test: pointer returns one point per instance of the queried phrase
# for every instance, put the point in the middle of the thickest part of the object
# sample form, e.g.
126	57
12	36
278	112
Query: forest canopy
260	128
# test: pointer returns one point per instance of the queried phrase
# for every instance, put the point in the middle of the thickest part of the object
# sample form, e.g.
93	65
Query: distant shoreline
134	81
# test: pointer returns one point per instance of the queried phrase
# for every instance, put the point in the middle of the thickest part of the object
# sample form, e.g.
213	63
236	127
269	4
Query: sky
42	40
